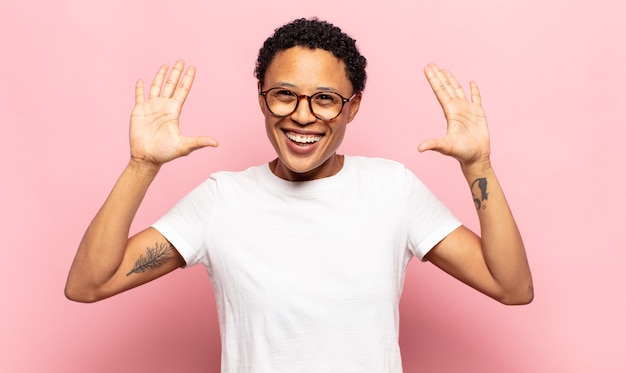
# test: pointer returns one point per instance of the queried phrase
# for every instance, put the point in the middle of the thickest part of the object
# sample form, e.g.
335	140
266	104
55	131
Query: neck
330	167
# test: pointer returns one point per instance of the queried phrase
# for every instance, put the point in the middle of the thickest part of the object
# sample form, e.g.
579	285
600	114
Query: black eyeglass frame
344	101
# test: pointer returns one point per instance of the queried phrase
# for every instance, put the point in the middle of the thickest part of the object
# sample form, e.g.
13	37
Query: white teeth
303	139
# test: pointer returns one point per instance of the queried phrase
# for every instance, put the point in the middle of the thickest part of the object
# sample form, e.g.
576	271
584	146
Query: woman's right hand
155	136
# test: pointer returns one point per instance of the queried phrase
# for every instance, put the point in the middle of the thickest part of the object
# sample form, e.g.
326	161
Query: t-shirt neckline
312	186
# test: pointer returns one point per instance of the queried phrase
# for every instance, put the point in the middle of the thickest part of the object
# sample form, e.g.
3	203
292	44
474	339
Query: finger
139	92
190	144
434	79
475	92
443	79
183	88
155	88
443	76
426	145
439	145
172	80
454	84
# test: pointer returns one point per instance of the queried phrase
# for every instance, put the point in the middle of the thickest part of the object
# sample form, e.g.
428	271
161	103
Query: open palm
467	137
155	135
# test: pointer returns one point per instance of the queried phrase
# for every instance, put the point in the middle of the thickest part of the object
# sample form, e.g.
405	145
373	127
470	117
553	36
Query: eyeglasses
283	102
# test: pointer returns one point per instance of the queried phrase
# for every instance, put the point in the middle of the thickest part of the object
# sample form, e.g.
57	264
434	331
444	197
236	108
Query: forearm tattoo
153	258
479	192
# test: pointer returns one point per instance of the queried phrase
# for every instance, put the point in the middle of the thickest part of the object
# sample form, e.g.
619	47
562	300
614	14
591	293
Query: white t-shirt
308	275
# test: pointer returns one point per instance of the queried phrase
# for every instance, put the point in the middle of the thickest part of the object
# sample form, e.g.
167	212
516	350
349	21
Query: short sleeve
185	225
430	221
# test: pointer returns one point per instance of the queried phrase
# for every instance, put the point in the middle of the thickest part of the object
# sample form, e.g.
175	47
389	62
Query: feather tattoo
153	258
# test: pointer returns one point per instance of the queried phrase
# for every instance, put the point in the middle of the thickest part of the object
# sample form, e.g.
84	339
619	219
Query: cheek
273	133
338	133
270	122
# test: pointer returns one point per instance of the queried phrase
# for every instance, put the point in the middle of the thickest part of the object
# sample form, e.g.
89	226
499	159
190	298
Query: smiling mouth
303	140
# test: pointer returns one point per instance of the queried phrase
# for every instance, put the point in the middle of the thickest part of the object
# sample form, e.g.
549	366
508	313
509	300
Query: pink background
553	79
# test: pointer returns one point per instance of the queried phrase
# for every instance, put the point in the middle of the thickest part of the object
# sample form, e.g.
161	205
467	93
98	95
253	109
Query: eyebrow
318	89
285	84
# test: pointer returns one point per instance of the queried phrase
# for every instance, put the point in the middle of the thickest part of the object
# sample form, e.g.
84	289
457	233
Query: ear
354	107
261	98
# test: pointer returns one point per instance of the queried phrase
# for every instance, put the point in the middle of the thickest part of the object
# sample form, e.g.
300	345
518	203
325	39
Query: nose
303	115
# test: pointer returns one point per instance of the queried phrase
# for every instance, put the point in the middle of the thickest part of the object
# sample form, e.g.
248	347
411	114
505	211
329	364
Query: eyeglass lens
324	105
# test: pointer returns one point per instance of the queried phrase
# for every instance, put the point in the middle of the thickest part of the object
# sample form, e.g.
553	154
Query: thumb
438	145
190	144
425	145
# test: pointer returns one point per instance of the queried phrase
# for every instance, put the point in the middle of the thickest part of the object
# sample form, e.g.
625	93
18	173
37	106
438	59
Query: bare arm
494	263
108	261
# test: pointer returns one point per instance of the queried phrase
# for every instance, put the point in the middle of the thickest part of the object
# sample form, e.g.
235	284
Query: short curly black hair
314	33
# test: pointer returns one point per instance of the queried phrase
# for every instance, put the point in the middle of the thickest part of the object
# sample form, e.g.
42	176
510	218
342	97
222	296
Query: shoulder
230	178
380	169
376	164
389	176
248	173
219	184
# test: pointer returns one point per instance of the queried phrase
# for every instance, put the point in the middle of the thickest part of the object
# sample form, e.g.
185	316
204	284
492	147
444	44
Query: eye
326	99
283	94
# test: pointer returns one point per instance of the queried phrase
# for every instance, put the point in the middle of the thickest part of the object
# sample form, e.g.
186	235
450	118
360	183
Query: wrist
477	168
142	167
